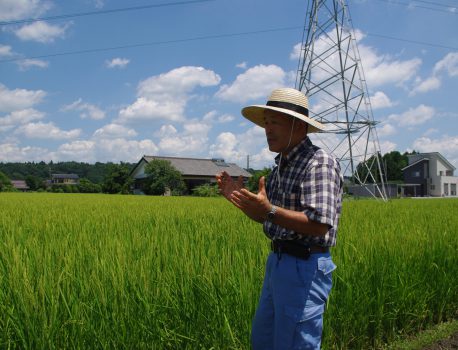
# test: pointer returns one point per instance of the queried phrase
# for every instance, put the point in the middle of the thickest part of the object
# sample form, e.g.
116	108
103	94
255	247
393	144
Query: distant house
64	179
195	171
429	174
20	185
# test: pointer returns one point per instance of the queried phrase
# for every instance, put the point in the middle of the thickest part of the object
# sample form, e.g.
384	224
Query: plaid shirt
311	182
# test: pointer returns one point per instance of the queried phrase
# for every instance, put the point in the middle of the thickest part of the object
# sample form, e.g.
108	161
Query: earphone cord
281	154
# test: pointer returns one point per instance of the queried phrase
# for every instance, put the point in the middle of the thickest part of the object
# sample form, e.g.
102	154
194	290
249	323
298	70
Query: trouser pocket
304	327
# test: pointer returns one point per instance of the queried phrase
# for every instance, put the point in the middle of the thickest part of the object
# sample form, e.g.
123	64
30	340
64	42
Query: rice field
81	271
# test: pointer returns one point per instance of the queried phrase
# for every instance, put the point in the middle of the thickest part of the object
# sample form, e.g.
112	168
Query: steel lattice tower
331	75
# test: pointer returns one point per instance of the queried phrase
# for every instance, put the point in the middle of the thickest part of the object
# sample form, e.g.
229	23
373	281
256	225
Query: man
299	208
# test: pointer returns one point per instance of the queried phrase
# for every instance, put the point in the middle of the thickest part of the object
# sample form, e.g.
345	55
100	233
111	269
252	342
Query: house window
441	173
446	189
433	187
453	189
416	174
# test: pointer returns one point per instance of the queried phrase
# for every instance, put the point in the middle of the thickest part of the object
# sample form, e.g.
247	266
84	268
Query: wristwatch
271	213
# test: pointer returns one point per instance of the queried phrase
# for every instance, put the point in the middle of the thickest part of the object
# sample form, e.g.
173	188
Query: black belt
295	249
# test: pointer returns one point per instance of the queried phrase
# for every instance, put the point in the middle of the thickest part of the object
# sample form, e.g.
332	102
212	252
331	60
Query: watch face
270	215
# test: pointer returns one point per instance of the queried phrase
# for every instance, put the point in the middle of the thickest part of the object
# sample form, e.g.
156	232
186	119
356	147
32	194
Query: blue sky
181	73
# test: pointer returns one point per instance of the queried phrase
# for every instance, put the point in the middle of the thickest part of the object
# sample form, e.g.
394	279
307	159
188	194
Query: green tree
162	176
393	163
86	186
5	183
34	182
253	182
369	171
117	179
206	190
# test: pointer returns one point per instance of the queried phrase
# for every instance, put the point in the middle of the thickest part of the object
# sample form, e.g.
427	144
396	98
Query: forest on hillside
95	173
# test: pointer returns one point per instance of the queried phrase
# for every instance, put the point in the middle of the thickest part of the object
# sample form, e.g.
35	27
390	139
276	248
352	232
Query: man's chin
273	149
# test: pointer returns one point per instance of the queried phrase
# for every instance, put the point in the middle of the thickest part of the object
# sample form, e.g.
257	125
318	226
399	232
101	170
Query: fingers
240	181
262	184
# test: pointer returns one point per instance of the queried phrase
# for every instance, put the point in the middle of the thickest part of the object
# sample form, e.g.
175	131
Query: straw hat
285	100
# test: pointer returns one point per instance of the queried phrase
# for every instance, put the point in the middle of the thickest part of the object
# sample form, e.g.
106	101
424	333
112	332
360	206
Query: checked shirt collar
304	147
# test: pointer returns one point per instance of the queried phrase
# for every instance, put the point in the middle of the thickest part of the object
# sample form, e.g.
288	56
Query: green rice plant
86	271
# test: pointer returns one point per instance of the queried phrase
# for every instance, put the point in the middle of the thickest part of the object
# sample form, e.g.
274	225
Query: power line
153	43
394	2
413	41
435	3
208	37
101	12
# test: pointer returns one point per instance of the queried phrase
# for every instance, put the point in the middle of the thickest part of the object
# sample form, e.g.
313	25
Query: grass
100	271
425	338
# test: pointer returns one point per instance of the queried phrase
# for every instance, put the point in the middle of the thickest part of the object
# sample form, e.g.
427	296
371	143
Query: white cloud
446	145
147	109
165	96
22	116
5	51
378	69
17	99
117	63
430	131
235	148
386	130
88	110
383	70
46	131
226	147
380	100
29	63
241	65
255	83
114	131
449	64
82	150
104	150
432	83
99	3
296	53
14	153
41	32
226	118
191	141
167	131
387	147
414	116
19	9
177	82
212	117
124	150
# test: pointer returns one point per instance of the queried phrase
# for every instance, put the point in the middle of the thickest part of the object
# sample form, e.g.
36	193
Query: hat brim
255	114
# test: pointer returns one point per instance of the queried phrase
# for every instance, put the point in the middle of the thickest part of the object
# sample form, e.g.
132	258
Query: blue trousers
292	302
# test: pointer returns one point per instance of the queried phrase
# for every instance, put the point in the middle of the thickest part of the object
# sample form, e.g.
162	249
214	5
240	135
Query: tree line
161	176
93	178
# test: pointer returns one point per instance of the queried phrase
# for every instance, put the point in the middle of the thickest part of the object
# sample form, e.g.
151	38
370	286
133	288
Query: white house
430	174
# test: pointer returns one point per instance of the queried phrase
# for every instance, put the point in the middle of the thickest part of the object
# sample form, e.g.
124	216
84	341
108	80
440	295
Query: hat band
290	106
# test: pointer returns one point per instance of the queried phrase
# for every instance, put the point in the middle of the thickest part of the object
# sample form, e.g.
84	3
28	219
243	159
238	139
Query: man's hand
255	206
227	185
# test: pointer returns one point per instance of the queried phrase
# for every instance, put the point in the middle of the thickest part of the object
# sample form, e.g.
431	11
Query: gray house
429	175
195	171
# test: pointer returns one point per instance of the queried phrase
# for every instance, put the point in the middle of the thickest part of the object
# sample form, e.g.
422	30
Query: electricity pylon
331	75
